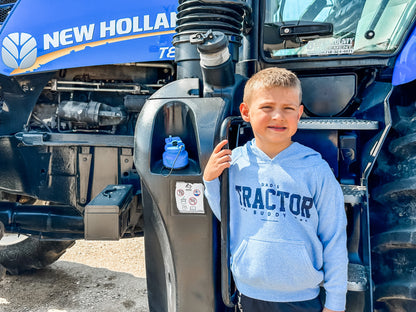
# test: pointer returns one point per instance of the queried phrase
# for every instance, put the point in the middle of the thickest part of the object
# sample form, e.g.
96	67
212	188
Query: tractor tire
393	215
30	253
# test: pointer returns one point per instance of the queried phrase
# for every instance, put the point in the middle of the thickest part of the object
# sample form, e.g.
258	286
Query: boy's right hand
218	161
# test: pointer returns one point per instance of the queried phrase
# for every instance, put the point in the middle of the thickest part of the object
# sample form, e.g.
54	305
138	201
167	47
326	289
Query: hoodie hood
295	156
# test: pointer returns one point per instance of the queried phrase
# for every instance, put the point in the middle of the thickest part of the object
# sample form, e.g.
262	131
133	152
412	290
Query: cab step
357	277
337	124
353	194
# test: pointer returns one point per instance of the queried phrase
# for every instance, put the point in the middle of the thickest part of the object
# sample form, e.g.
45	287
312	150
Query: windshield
335	27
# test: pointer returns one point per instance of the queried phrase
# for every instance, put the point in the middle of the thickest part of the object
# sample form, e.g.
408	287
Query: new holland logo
19	50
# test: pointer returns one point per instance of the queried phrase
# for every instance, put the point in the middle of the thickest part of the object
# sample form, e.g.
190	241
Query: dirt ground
91	276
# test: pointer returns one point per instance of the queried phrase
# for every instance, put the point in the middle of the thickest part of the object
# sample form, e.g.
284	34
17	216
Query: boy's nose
278	114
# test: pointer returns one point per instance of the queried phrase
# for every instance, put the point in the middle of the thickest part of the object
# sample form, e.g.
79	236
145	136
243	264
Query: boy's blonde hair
269	78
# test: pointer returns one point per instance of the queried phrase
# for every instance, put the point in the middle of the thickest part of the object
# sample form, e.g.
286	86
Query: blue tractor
109	113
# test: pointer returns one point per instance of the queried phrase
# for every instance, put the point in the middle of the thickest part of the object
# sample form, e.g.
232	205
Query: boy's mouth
277	128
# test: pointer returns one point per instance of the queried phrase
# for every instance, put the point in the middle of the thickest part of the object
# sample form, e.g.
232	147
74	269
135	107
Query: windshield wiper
380	11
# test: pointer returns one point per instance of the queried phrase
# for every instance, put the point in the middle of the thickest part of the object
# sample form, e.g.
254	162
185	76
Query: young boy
287	217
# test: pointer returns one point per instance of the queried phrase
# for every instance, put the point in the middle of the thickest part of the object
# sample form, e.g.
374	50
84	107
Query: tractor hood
74	33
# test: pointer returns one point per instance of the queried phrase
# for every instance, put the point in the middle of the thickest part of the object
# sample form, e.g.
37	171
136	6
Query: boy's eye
289	108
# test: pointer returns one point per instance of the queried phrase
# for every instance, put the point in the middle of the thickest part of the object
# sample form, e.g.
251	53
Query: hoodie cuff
212	187
335	301
212	194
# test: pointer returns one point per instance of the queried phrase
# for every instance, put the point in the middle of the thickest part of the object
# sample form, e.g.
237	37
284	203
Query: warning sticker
330	46
189	198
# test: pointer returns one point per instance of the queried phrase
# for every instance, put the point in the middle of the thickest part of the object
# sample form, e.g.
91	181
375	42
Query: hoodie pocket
275	265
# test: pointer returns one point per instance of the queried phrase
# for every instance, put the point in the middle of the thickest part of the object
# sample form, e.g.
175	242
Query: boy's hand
218	161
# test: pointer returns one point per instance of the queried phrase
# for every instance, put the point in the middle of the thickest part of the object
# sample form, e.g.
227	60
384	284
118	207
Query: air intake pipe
216	64
197	17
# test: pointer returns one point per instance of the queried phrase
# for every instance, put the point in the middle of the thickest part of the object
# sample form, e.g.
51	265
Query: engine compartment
101	99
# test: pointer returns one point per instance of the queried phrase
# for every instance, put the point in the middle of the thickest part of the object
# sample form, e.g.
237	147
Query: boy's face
273	114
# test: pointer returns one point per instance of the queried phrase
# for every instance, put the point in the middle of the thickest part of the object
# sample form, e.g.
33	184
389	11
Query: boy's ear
244	111
300	111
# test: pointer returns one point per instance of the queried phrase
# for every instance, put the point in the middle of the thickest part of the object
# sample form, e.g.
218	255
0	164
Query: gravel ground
126	255
91	276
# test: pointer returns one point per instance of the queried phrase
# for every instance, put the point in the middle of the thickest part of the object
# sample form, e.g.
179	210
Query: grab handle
226	279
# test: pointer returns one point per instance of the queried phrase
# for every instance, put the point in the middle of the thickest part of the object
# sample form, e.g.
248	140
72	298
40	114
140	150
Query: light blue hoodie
287	225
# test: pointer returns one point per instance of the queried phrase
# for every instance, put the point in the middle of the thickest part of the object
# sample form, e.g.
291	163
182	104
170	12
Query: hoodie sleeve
332	233
212	193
